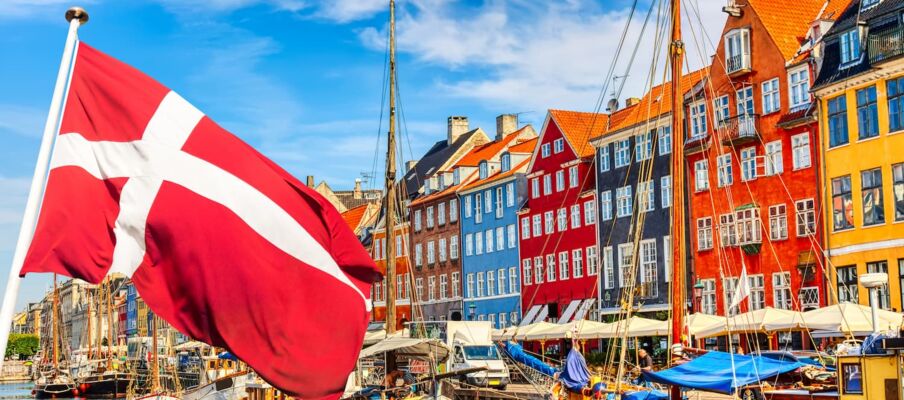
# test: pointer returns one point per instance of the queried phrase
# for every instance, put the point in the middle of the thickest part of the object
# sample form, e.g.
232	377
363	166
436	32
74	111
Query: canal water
16	390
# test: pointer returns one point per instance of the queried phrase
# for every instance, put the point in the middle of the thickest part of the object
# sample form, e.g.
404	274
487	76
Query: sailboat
157	390
101	377
54	380
222	377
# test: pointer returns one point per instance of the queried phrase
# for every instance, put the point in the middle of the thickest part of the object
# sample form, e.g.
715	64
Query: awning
850	317
721	372
806	258
766	319
585	307
412	348
529	317
569	311
541	316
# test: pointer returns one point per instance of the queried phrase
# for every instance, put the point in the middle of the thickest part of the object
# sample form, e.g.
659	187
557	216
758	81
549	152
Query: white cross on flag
219	241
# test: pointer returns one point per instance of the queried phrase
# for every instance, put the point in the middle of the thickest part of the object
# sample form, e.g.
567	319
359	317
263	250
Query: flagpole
76	17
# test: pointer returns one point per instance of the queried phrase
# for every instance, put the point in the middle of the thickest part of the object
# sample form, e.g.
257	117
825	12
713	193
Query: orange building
403	275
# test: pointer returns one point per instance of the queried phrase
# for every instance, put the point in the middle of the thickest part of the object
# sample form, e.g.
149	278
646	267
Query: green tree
22	345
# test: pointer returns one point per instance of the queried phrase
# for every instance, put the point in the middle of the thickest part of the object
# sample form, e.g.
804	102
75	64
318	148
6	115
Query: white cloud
10	9
21	120
349	10
532	56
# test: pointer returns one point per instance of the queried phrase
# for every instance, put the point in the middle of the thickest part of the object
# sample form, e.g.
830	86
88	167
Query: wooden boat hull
231	387
54	390
103	386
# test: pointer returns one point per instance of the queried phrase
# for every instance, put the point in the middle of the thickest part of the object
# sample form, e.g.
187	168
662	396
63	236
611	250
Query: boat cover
645	395
516	352
713	372
575	375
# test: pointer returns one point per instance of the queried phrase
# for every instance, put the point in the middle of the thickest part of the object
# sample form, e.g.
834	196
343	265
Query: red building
752	159
557	225
403	274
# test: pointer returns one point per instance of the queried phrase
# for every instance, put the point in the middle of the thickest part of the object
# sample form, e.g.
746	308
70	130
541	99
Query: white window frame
774	162
704	233
510	194
429	217
701	175
526	271
805	217
453	247
748	163
525	228
537	225
724	170
625	262
469	244
575	216
772	100
608	268
800	151
623	153
539	271
551	267
799	86
606	205
441	214
665	188
548	222
721	108
544	150
624	201
564	266
573	180
561	219
558	146
589	212
577	263
698	119
560	180
781	291
592	261
453	210
778	222
664	140
512	233
603	158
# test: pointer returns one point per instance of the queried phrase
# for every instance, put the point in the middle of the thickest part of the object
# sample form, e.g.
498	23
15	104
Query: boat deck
512	391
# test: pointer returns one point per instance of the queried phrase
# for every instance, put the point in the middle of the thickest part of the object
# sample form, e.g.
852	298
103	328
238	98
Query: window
418	253
646	196
701	176
799	82
491	283
842	203
431	253
525	228
538	228
704	233
723	163
513	316
558	145
720	106
895	96
499	208
623	201
573	176
510	194
727	230
550	268
526	270
744	97
865	4
667	256
430	217
488	235
774	164
622	153
377	255
561	220
698	119
897	191
505	162
871	194
443	285
500	281
625	262
563	266
560	180
708	301
748	163
487	201
748	226
483	171
737	50
847	283
538	269
480	287
882	291
513	279
643	146
757	292
589	212
606	205
778	222
771	98
469	244
850	46
417	220
453	210
535	188
575	216
806	217
608	268
478	243
800	150
867	113
547	184
648	275
547	216
419	288
665	140
603	158
500	238
781	290
544	150
442	250
838	130
665	186
431	288
512	234
502	321
730	285
592	262
478	214
441	214
453	247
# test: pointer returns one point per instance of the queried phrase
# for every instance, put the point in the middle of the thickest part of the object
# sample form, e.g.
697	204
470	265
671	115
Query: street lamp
873	282
698	295
472	310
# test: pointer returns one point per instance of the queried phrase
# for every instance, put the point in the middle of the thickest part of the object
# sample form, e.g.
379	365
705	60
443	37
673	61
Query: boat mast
679	251
109	293
90	348
154	366
390	199
55	324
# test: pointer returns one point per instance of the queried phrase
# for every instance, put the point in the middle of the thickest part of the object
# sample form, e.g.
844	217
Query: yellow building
860	92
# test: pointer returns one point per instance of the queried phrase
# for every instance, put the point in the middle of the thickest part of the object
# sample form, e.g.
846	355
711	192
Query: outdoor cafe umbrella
766	319
849	318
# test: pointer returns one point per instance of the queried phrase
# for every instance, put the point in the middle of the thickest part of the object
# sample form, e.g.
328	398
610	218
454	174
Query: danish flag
219	241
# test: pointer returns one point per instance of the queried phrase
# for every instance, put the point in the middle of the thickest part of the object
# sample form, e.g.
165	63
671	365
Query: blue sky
301	80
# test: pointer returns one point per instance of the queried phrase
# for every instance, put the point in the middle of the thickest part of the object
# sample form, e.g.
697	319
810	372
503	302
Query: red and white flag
219	241
742	288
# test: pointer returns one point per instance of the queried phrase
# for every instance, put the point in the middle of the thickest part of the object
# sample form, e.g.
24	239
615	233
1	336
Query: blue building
489	234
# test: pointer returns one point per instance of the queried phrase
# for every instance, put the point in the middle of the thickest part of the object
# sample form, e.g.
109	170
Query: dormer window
850	46
867	4
506	161
737	51
484	170
456	176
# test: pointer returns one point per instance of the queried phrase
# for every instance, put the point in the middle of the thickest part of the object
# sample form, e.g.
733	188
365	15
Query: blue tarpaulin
713	372
575	375
516	352
645	395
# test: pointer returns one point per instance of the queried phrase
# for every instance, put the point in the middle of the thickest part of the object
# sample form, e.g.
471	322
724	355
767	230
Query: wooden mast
679	251
109	293
154	366
55	324
90	347
390	199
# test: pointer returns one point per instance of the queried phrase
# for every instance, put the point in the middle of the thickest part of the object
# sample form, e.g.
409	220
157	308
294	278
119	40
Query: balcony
737	65
886	44
739	130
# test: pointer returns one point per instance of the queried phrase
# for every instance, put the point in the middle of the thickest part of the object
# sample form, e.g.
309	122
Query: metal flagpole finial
77	13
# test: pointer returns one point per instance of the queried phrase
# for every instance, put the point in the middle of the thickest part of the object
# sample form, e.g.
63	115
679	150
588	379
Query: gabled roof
526	146
833	9
435	158
578	127
353	217
449	190
787	21
491	149
497	176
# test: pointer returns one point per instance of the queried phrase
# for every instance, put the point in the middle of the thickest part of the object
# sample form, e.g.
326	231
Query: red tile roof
450	189
787	21
489	150
497	176
526	146
833	9
353	216
578	127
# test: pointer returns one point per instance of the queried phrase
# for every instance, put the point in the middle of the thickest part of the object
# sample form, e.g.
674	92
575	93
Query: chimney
311	181
409	165
632	101
458	125
357	193
506	124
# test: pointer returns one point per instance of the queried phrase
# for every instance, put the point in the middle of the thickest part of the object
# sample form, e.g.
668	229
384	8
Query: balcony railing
886	44
740	129
737	64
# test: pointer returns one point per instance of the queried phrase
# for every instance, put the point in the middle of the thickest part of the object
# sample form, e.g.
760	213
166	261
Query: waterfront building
403	274
557	224
752	162
489	234
860	88
633	177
